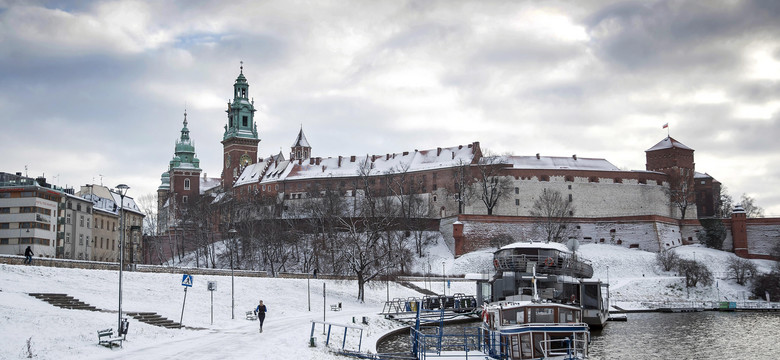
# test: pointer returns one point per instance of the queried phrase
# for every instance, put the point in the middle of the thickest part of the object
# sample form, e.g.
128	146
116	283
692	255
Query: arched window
186	184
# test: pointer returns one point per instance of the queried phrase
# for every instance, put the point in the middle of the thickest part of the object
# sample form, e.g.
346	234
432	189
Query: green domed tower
239	143
181	183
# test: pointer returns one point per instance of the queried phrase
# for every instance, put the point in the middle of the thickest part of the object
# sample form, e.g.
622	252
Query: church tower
301	150
181	183
239	143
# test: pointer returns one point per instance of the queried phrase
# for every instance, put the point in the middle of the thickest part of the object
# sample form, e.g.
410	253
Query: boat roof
537	245
518	304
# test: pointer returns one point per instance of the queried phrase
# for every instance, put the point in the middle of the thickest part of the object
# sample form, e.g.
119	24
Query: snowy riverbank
55	333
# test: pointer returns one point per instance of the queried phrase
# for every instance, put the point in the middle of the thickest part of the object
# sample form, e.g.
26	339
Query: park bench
250	315
106	336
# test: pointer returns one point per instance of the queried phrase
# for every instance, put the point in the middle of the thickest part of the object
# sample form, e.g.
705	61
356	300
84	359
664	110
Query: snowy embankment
55	333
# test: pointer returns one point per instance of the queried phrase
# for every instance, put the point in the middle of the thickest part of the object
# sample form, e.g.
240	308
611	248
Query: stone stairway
69	302
64	301
152	318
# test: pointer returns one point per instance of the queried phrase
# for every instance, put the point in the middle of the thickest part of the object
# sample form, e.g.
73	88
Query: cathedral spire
300	149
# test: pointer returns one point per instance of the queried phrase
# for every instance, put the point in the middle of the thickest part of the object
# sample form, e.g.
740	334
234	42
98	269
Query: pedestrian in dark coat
28	254
260	312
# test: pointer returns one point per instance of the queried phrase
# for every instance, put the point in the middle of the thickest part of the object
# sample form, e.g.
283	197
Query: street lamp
232	232
121	189
444	278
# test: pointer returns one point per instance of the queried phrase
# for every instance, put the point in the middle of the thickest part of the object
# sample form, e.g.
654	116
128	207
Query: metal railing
570	349
556	265
469	340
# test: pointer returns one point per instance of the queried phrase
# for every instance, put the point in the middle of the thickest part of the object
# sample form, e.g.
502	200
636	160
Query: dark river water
701	335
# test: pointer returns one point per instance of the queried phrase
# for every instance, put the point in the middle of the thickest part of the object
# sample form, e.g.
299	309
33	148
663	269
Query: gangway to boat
452	305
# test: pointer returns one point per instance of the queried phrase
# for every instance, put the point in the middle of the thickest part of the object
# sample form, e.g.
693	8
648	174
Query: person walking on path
28	254
260	312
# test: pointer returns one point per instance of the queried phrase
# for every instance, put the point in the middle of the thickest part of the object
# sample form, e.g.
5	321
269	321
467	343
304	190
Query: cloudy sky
97	90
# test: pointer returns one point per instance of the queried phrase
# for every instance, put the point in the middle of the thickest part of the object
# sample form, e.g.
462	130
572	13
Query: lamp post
121	189
232	232
444	279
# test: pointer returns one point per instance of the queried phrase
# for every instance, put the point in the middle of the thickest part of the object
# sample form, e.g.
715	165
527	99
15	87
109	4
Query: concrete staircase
152	318
69	302
64	301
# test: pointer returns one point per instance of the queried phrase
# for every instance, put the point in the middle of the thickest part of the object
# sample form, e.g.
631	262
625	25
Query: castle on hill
650	209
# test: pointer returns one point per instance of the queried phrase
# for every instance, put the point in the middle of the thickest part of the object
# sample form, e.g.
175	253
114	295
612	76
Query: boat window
525	346
541	315
513	316
515	347
565	315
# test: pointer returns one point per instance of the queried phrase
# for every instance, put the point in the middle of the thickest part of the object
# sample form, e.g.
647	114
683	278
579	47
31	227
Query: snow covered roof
537	245
668	143
345	166
569	163
207	183
251	174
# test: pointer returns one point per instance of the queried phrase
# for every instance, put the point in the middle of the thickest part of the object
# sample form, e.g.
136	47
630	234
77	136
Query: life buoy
549	262
495	263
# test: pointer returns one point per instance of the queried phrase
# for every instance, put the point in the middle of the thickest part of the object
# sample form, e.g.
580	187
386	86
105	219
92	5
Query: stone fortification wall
650	233
763	234
592	197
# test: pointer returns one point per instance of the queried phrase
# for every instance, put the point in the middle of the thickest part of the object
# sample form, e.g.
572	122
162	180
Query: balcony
553	265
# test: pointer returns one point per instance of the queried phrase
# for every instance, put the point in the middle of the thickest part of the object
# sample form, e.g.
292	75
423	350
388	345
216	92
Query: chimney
352	158
574	156
373	158
461	147
388	157
318	159
537	156
406	153
311	161
339	160
438	151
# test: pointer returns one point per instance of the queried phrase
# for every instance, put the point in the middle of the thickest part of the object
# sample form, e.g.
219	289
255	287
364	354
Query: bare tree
695	272
460	189
681	191
323	208
725	204
554	213
742	269
492	186
751	209
364	241
667	259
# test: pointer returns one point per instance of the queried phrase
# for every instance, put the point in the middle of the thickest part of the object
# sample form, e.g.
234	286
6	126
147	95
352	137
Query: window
517	202
186	184
67	238
517	190
184	199
78	207
5	226
87	222
81	239
5	210
570	198
87	240
81	221
245	121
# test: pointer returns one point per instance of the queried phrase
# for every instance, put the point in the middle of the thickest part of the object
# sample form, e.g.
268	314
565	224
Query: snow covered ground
31	327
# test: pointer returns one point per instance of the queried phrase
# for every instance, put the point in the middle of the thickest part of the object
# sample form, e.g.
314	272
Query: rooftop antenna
242	66
25	171
101	179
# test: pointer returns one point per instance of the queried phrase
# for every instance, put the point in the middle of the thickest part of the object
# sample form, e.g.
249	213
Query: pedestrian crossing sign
186	280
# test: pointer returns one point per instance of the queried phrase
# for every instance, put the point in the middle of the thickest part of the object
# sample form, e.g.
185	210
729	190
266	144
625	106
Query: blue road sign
186	280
